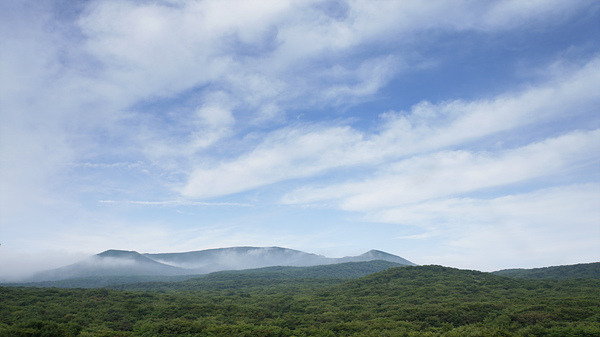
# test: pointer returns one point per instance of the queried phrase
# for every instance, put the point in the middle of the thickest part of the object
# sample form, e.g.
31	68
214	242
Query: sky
459	133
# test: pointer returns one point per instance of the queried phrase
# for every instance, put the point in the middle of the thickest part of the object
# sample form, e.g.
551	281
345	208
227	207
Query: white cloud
215	116
515	12
431	126
298	153
214	122
449	173
32	144
519	230
264	57
259	52
286	154
170	203
125	165
363	81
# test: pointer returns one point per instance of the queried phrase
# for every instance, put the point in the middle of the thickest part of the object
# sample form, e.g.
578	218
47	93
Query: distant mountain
236	258
581	271
331	273
113	263
377	255
122	264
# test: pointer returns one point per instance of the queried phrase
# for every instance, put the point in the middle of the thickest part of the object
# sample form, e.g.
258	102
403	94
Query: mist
54	266
18	265
239	258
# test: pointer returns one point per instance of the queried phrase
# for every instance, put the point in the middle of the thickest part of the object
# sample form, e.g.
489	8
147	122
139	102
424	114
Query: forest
398	301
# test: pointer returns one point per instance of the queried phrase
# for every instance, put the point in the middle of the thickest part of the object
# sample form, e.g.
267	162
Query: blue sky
447	132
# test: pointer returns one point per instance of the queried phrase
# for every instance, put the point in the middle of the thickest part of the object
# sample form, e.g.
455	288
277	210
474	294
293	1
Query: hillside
268	276
576	271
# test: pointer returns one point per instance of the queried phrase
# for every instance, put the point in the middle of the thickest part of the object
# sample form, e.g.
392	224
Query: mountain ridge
111	262
216	259
574	271
374	254
114	262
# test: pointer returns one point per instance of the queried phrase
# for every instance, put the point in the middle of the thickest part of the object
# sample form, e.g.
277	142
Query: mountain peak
125	255
118	253
376	252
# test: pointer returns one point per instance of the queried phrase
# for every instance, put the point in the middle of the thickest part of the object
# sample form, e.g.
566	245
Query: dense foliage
268	276
407	301
583	270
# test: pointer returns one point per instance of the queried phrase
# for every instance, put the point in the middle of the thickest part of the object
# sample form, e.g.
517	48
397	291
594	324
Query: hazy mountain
116	264
235	258
583	270
110	262
376	255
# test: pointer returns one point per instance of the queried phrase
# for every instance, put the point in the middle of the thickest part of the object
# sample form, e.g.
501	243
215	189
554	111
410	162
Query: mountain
113	265
377	255
235	258
581	271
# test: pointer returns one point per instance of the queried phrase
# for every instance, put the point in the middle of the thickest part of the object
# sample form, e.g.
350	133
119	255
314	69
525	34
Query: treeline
582	270
282	278
407	301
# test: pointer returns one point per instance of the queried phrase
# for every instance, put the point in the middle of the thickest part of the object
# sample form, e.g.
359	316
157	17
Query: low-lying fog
17	265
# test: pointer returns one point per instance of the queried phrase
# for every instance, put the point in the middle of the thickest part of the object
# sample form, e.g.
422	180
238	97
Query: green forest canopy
407	301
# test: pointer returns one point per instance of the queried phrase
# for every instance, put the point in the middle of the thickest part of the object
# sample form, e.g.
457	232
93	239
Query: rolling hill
284	277
576	271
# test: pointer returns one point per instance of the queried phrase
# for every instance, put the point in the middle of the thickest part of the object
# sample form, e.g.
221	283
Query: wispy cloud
524	228
448	173
92	165
307	151
171	203
285	154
